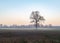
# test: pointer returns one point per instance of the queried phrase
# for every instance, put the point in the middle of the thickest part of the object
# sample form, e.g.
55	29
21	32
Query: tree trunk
36	24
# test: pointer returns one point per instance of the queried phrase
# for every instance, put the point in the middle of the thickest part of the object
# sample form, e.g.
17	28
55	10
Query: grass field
29	36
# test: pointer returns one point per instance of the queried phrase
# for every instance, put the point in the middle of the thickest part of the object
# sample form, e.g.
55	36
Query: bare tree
36	18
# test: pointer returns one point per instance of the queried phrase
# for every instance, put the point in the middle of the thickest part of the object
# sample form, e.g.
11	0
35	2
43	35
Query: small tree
36	18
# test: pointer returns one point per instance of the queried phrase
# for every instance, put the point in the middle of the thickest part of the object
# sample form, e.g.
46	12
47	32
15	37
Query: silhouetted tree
36	18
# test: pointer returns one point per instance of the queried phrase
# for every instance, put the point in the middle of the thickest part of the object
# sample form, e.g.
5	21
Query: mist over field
56	28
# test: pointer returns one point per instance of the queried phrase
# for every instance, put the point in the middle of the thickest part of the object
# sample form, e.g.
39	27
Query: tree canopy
36	18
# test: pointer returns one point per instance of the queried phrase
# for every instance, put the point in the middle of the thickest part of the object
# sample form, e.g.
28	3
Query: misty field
30	35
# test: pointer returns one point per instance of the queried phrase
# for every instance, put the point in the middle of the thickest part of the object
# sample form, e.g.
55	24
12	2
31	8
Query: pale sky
19	11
